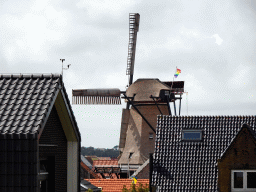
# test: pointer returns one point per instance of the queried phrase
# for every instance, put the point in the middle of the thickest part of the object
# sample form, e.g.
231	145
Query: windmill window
192	135
130	156
243	180
151	136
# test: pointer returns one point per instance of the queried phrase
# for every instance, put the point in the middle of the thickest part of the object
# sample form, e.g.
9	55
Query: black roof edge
22	136
70	112
244	126
29	75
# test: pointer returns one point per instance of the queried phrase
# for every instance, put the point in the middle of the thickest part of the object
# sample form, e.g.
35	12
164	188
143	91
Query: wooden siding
53	134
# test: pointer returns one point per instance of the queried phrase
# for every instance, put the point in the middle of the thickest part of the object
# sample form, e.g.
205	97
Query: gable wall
53	134
241	155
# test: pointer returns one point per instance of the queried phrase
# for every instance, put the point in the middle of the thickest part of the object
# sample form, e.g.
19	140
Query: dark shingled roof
86	185
25	101
192	166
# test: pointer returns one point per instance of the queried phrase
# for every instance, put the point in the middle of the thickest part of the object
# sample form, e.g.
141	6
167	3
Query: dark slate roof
245	126
85	185
25	101
192	166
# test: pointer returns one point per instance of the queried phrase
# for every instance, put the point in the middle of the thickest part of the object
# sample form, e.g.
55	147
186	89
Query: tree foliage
139	188
90	151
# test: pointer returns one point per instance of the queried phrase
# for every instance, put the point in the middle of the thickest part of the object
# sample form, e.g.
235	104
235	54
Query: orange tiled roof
105	163
104	158
116	185
89	170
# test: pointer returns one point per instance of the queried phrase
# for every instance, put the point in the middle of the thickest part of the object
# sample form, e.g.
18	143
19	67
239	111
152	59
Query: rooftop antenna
64	68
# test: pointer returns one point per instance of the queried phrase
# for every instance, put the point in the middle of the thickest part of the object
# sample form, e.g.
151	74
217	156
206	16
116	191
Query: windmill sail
133	29
96	96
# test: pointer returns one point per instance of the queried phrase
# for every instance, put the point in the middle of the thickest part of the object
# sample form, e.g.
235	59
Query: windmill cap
144	88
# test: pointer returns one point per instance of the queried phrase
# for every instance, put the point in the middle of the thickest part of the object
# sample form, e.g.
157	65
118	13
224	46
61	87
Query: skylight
192	135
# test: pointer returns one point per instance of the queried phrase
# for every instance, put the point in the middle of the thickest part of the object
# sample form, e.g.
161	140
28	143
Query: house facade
205	153
39	138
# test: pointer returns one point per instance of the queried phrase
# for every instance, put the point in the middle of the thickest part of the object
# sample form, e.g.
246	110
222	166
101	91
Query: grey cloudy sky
212	42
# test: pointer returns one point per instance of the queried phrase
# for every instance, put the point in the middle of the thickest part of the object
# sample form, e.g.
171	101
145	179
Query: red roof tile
116	185
105	163
90	171
104	158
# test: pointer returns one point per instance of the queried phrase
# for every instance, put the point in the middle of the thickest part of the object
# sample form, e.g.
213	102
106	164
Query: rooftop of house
85	185
86	162
103	158
89	170
192	165
105	163
116	185
25	100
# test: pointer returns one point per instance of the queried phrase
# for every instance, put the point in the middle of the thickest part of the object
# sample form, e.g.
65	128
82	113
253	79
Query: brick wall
241	155
137	136
144	173
54	134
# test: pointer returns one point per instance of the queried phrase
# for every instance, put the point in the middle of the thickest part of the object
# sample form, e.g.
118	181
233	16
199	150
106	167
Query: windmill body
136	137
146	98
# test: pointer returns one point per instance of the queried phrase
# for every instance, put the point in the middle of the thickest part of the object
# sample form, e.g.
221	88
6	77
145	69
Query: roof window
192	135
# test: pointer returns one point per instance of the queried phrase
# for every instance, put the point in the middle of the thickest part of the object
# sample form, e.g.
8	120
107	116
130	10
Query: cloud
97	8
218	39
93	36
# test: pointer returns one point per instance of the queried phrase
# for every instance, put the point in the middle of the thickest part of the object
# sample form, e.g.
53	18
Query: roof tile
24	99
191	166
116	185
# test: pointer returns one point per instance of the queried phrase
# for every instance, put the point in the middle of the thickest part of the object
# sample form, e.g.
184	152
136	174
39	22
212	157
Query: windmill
146	98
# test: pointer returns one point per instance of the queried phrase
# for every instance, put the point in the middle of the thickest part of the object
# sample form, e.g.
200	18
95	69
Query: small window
238	179
243	180
251	178
130	156
151	136
192	135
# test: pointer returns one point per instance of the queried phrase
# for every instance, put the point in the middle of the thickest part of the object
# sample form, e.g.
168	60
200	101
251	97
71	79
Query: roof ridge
203	116
30	75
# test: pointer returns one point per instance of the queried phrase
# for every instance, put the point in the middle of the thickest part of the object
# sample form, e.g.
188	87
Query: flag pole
173	78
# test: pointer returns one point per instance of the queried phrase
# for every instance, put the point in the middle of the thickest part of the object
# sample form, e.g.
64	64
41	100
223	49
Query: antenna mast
133	29
63	68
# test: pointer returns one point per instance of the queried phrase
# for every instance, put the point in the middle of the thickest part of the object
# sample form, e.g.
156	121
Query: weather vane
64	68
